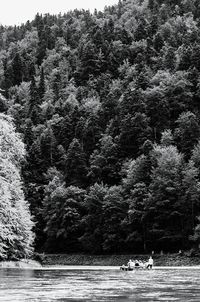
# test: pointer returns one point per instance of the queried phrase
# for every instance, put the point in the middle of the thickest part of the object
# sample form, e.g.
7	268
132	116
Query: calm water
104	285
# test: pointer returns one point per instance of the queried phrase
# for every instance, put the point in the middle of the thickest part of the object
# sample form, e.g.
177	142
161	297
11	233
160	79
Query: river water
99	285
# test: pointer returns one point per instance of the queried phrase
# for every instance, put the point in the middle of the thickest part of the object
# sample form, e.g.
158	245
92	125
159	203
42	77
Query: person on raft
131	264
150	263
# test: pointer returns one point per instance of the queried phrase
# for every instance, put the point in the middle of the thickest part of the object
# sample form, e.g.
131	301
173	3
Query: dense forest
108	107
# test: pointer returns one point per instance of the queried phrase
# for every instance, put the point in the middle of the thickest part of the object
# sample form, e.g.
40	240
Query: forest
107	106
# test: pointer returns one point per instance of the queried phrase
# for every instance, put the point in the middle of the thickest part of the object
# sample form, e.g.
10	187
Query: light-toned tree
16	236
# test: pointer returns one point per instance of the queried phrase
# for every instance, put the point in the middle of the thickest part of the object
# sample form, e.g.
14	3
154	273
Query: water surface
99	285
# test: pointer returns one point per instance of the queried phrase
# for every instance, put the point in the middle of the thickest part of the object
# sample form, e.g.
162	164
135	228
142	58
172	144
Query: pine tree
17	70
41	89
92	221
34	110
76	169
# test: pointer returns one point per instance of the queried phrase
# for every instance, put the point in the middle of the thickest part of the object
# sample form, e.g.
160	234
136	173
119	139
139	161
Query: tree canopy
108	107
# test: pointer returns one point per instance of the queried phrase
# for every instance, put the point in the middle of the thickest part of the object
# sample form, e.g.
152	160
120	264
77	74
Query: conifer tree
17	69
41	89
76	169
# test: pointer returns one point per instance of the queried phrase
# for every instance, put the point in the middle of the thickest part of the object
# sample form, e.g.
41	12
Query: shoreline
169	260
12	266
82	261
114	268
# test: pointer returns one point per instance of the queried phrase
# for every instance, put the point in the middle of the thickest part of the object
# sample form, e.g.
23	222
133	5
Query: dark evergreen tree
41	88
133	133
92	222
75	166
17	69
34	110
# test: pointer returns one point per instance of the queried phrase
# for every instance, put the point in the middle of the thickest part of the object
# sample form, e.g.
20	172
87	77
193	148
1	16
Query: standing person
131	264
150	263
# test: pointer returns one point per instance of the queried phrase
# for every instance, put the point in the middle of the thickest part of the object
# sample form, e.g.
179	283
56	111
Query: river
99	285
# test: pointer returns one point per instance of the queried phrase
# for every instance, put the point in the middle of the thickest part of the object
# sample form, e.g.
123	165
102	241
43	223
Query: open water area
92	284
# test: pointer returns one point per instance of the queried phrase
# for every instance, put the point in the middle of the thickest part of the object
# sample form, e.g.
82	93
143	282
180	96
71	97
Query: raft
127	268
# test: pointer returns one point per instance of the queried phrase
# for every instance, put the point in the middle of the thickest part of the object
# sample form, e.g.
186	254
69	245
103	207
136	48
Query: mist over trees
108	106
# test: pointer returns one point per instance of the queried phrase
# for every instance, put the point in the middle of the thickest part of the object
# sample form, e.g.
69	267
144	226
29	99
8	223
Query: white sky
19	11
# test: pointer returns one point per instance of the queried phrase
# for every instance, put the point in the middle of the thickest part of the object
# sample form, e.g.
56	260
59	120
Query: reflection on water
77	285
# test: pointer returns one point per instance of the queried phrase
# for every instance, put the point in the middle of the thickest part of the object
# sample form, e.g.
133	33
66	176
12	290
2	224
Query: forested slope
109	105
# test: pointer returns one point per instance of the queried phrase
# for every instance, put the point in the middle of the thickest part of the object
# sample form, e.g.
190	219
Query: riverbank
117	260
23	264
44	260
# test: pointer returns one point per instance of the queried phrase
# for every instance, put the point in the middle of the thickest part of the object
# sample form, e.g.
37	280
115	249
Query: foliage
108	106
16	237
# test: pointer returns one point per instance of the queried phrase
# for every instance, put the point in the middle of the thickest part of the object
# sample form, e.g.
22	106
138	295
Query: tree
28	134
76	169
195	56
16	235
41	88
158	42
173	94
187	132
196	156
134	130
63	209
190	197
92	221
104	164
196	235
141	32
166	217
42	45
34	109
136	226
48	146
88	61
3	105
113	212
138	171
167	138
157	109
17	69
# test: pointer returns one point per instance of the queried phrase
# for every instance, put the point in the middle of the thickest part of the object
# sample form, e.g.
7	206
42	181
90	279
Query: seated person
141	264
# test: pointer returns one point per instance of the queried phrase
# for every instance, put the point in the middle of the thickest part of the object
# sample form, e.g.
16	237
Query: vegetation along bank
118	260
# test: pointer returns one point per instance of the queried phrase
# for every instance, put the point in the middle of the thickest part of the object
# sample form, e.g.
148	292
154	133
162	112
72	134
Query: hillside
108	105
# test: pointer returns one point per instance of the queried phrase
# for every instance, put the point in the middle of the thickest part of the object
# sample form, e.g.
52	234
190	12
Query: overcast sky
19	11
